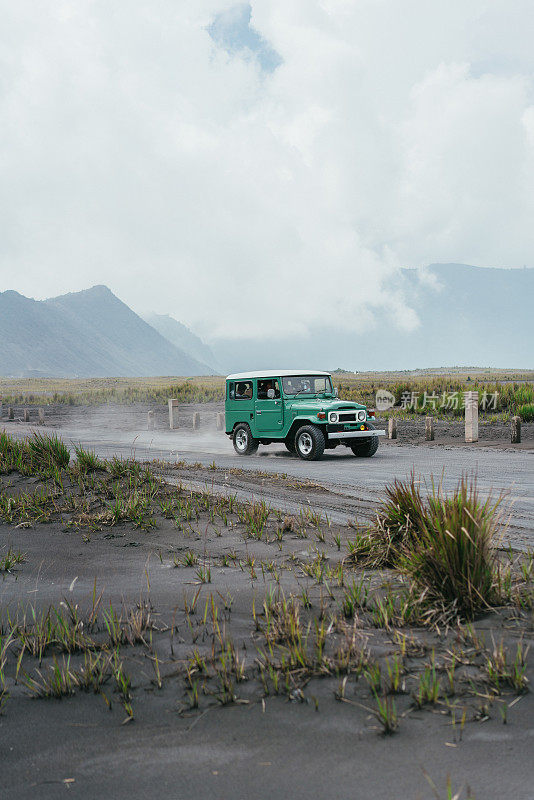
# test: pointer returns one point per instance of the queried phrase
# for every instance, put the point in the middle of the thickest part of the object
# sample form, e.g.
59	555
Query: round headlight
361	415
333	417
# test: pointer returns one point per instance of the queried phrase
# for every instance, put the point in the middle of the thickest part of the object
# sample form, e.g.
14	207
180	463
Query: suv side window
243	391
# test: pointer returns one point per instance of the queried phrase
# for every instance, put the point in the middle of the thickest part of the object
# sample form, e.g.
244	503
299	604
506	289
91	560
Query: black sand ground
301	743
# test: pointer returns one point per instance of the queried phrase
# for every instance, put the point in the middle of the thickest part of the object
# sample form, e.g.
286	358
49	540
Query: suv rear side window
241	390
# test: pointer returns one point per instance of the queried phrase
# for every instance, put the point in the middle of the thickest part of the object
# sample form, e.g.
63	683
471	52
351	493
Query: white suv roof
274	373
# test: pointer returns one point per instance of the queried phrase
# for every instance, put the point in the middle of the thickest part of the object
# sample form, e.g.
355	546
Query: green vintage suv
298	407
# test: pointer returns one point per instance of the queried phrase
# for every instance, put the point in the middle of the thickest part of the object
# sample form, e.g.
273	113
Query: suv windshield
307	384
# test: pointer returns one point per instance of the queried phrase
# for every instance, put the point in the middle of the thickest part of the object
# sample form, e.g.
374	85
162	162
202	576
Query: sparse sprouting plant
355	597
428	689
386	713
505	672
10	559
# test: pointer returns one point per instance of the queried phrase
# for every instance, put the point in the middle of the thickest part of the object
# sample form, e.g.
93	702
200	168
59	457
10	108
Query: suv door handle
258	412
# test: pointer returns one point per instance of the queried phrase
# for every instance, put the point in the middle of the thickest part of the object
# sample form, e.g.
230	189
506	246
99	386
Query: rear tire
365	448
244	443
309	443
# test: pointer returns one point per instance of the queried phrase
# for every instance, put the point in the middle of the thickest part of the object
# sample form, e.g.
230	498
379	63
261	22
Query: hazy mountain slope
88	333
183	338
37	338
468	315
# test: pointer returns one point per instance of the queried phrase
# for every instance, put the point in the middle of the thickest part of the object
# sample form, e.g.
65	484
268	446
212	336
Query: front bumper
355	434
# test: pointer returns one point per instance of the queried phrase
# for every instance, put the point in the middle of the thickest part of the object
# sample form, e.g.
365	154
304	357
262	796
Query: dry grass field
513	389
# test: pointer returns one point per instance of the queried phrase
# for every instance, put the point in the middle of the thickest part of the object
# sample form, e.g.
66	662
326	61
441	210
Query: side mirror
335	391
270	394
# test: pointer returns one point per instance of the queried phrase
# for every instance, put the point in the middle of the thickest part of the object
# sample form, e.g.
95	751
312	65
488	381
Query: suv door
269	412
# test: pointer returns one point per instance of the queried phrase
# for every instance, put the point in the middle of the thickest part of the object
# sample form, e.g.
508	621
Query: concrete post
41	414
392	428
220	421
196	421
173	413
429	429
150	421
10	413
26	415
471	416
516	430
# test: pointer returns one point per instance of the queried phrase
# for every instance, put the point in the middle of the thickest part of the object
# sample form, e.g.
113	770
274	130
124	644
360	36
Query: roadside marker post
220	421
173	413
196	421
41	413
392	428
471	416
516	430
429	429
150	421
26	415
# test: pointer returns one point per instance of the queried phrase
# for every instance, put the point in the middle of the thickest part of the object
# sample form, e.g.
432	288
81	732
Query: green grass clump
87	460
526	412
444	544
37	454
400	519
14	455
48	452
454	561
398	522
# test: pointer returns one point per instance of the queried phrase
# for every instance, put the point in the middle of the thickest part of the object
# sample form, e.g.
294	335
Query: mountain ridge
467	315
91	333
181	336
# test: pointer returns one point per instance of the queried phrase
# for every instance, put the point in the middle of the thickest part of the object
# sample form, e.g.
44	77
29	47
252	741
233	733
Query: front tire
244	443
365	448
309	443
290	444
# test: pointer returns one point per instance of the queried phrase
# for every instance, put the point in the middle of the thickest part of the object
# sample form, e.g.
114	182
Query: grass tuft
48	451
453	562
87	460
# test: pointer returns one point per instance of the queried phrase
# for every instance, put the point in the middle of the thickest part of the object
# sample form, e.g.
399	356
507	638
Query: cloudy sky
275	160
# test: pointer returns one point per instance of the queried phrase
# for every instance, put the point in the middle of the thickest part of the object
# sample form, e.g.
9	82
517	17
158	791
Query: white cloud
136	152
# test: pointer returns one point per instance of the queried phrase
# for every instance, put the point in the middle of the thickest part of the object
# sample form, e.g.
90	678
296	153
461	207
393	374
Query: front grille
352	416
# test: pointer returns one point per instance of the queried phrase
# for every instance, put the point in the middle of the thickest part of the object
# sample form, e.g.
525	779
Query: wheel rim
241	439
305	444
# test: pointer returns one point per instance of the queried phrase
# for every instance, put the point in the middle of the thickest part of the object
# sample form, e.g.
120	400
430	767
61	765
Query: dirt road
354	485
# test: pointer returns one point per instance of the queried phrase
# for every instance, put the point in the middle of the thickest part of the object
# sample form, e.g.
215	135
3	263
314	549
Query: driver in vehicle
263	389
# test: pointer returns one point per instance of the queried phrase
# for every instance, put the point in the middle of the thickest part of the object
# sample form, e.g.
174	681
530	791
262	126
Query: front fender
306	419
